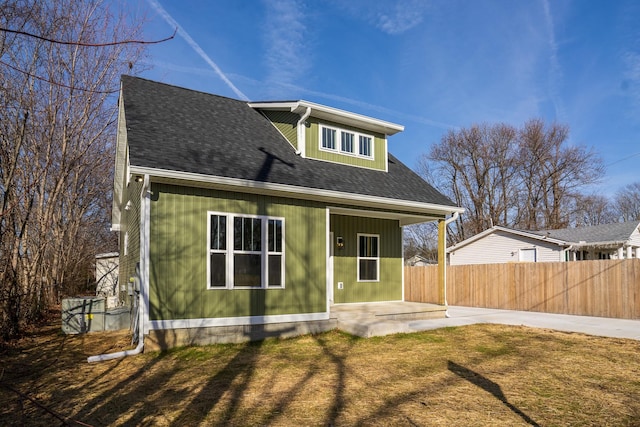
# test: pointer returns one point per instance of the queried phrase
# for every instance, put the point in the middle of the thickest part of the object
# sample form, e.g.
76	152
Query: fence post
442	262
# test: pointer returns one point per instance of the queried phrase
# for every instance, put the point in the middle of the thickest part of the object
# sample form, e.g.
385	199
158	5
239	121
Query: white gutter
447	222
302	143
307	193
141	300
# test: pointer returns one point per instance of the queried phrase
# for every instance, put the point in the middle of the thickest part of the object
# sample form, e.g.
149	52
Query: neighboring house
419	261
107	277
235	217
502	244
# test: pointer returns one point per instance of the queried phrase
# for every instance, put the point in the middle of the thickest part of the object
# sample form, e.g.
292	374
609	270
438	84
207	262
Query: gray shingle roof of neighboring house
615	232
183	130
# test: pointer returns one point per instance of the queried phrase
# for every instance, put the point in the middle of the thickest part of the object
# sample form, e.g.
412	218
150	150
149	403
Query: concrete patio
383	318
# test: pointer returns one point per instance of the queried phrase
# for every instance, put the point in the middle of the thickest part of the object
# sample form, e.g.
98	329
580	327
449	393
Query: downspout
447	222
141	300
301	139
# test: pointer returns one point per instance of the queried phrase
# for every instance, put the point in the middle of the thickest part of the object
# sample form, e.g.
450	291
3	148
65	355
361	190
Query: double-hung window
245	251
368	257
346	142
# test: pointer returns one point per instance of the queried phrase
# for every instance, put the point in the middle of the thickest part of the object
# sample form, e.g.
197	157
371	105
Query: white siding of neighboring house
500	247
107	277
634	241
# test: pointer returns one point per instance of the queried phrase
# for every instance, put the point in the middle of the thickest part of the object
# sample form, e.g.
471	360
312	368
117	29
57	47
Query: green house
243	220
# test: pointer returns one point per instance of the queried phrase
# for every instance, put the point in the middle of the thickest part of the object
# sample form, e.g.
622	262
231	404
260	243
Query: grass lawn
468	376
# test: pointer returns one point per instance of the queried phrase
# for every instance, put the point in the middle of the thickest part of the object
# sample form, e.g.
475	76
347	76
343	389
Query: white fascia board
284	190
333	114
120	166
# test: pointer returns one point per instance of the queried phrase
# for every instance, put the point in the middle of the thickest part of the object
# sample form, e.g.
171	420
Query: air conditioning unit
83	314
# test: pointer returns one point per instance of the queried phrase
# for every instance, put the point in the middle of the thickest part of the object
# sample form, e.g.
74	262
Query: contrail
182	33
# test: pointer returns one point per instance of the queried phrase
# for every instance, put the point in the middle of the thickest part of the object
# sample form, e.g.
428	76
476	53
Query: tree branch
76	43
56	83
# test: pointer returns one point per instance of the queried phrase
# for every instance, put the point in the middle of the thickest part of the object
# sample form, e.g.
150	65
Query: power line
624	158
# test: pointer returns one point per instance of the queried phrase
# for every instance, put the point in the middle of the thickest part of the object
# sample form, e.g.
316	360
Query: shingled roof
615	232
176	129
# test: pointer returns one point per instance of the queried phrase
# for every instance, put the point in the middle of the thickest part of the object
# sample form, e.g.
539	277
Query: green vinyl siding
178	251
345	270
130	226
313	150
287	123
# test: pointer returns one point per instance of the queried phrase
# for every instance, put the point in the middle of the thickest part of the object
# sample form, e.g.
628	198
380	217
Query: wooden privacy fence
607	288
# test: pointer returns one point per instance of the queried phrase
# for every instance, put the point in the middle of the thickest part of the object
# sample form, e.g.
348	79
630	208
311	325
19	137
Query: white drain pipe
146	187
125	353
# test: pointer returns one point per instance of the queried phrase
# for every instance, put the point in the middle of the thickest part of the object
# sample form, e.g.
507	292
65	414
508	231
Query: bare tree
476	167
528	178
592	210
421	239
552	174
627	202
57	114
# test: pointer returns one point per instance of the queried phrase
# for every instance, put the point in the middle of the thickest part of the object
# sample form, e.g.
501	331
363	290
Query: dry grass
474	376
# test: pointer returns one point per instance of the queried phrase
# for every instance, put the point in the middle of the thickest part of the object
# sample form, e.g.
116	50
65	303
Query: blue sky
428	65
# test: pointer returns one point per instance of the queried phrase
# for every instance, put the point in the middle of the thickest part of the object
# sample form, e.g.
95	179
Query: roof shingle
183	130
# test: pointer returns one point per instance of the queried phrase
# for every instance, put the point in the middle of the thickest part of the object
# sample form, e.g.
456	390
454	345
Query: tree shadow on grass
234	378
489	386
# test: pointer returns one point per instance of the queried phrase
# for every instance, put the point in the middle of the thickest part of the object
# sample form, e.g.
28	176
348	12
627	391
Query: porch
383	318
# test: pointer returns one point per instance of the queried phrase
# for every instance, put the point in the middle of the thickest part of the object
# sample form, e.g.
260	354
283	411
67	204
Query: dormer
323	133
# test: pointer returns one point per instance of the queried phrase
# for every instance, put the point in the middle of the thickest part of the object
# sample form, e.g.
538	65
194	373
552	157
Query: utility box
83	314
116	319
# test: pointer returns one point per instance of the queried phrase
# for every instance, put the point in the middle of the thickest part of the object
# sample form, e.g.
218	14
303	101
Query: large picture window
346	142
245	251
368	257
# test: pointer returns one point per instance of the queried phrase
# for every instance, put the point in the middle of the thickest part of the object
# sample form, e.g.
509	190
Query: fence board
604	288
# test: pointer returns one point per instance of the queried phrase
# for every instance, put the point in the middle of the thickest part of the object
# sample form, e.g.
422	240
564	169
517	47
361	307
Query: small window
347	142
365	146
368	257
328	138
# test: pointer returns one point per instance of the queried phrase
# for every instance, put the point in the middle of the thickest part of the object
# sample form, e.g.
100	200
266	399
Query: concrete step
368	328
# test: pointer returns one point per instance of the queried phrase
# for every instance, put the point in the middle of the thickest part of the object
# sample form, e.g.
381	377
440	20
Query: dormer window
347	142
330	136
365	146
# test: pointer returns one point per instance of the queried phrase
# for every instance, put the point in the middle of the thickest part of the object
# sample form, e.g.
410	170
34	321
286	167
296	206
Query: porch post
442	262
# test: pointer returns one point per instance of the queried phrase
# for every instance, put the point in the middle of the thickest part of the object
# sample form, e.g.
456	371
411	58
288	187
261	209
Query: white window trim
230	251
338	141
358	258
